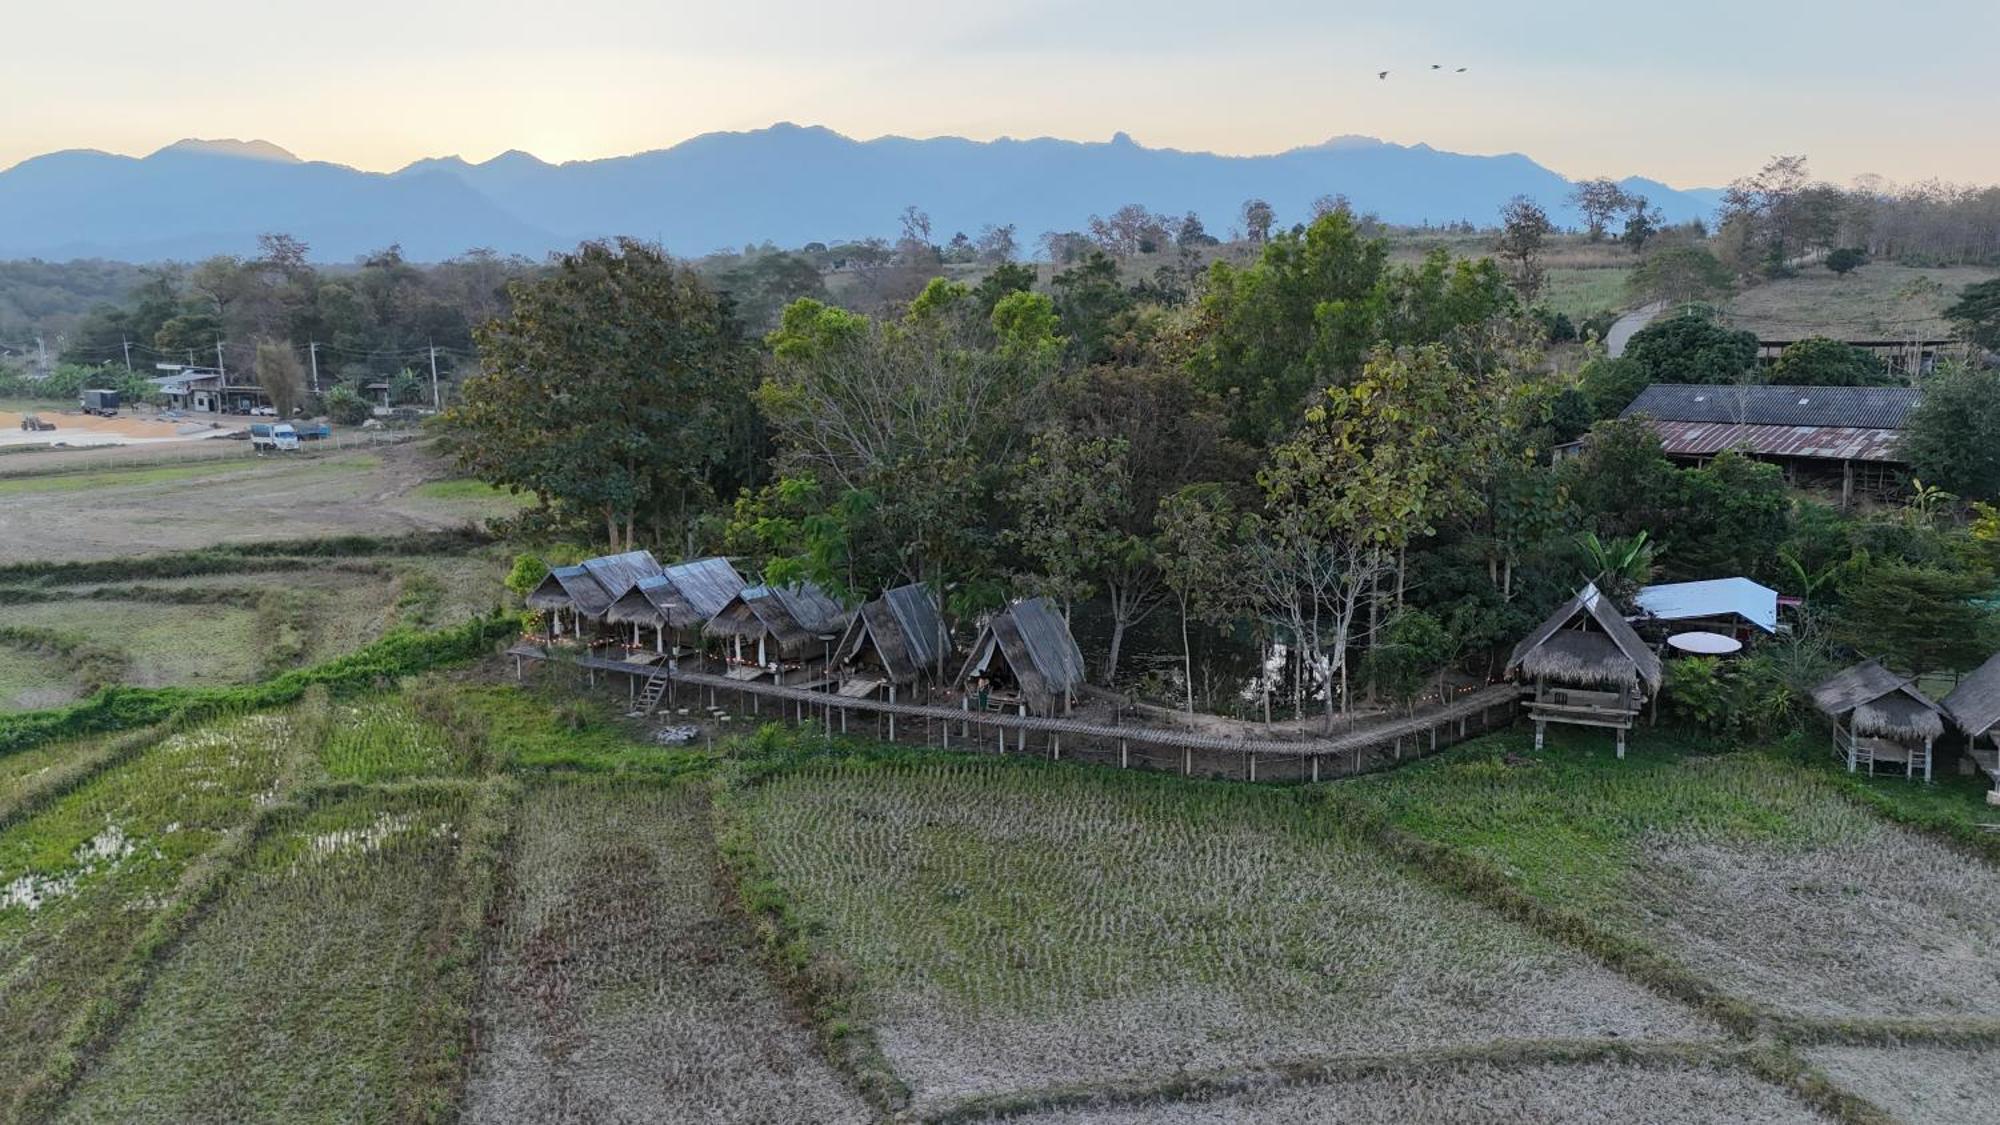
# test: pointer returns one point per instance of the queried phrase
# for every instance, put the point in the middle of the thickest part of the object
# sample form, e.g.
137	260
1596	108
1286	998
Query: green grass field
1878	301
1578	293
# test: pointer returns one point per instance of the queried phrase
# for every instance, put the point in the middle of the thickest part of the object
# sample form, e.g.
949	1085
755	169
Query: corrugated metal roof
1865	408
1834	443
794	617
619	573
570	587
1714	597
683	596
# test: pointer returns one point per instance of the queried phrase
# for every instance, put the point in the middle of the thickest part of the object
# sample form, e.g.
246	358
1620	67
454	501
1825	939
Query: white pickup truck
280	437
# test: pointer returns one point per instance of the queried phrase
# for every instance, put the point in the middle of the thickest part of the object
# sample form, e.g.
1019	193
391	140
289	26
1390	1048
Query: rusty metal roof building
1824	423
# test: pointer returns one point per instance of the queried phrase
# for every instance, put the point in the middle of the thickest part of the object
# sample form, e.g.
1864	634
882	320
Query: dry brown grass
1920	1085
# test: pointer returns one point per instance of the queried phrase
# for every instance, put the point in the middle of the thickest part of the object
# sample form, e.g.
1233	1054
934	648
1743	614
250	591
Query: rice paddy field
1756	873
449	899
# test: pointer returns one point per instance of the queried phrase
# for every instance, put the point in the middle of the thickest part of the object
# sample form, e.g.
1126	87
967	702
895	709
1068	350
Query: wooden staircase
656	687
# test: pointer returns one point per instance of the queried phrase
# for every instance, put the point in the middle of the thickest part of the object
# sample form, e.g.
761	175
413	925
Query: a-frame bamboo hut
587	590
1975	706
676	603
1879	716
1025	656
892	642
1587	667
788	630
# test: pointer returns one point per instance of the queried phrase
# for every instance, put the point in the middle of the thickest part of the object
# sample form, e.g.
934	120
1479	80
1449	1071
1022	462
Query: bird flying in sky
1381	74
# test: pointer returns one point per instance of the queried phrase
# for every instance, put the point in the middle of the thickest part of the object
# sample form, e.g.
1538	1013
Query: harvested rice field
1753	872
1016	927
325	974
1919	1085
618	986
1483	1094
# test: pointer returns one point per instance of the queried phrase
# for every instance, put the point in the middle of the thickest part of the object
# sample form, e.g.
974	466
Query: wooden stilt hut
1585	666
1880	717
786	632
676	603
893	641
1026	657
1975	707
586	591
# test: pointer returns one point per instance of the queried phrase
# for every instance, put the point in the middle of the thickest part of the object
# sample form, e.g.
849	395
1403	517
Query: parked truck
279	437
101	403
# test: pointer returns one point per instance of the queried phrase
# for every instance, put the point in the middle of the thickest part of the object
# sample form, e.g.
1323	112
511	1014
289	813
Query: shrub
1692	348
1846	260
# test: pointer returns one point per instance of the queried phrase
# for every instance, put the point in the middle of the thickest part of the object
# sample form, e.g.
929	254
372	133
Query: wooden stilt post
1187	761
1315	759
892	714
1252	763
1541	726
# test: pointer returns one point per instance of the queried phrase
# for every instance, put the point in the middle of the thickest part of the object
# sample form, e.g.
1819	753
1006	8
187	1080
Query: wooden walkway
1427	730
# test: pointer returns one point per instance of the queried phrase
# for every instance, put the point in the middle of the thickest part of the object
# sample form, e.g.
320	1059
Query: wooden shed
1974	705
1026	656
894	640
677	602
1879	716
1587	667
787	629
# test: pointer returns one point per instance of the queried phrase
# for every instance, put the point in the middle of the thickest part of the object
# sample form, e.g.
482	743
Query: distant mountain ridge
788	184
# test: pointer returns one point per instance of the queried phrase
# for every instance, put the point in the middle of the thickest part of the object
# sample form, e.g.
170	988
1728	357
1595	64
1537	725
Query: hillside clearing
1016	927
1881	301
619	989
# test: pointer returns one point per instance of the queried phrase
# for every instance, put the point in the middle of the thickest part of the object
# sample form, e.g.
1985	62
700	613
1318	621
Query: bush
1819	362
1610	385
346	407
1953	436
1691	348
1846	260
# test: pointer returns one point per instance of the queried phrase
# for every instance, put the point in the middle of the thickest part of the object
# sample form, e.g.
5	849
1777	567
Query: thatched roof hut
1874	701
590	587
901	632
1975	703
788	621
681	597
1034	643
1587	643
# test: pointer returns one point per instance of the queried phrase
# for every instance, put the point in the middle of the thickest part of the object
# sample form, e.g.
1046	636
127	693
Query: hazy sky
1693	93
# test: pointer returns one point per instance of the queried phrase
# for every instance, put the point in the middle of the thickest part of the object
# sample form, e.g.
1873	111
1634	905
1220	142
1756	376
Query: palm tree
1619	566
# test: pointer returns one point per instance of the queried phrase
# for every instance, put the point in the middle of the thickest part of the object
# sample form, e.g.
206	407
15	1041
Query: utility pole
312	350
437	401
220	369
42	354
127	344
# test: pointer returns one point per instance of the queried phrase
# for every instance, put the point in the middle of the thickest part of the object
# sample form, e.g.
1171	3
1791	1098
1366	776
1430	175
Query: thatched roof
570	587
1880	703
683	596
1975	703
1039	651
1587	643
794	618
904	629
619	573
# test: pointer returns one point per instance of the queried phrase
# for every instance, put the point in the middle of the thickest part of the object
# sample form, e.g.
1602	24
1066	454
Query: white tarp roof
1715	597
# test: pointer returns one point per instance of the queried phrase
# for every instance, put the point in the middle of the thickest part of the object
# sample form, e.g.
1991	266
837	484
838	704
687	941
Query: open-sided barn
1027	655
1587	667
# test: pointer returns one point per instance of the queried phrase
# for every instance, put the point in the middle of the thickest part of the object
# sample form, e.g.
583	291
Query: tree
1691	348
1819	362
1642	222
1976	314
1610	385
1618	566
281	376
1413	647
1846	260
1088	298
1766	206
616	388
1915	618
1678	275
1258	217
346	407
995	244
1597	201
1524	227
1199	562
1952	437
1190	234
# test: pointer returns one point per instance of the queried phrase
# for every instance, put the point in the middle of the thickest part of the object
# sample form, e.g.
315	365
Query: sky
1694	94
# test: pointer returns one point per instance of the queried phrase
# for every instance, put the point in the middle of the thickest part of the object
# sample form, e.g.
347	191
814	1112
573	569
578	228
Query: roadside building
205	390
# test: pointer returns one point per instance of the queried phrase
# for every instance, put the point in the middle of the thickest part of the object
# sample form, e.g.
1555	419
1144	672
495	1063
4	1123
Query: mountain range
787	184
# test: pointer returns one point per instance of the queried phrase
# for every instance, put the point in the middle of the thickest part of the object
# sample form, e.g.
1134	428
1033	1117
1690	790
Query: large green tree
1917	618
1976	314
1691	348
617	389
1819	362
1952	438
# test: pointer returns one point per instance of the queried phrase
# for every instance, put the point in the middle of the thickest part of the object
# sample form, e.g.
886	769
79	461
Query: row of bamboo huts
703	615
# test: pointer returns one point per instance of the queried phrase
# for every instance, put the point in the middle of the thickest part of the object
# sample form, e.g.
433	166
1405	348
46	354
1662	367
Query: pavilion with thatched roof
1026	656
1587	667
893	641
677	602
789	629
588	589
1974	705
1879	716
